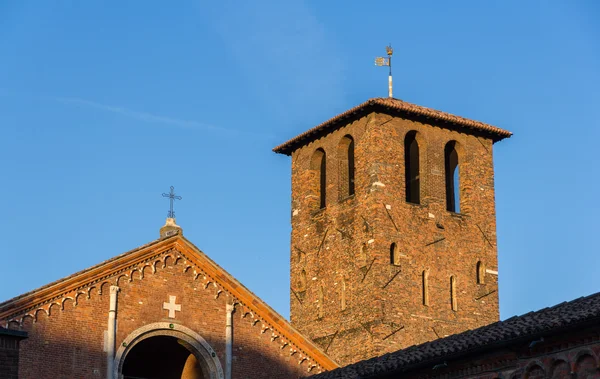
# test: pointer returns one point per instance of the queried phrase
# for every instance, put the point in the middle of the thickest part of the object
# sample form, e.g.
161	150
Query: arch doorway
166	351
162	357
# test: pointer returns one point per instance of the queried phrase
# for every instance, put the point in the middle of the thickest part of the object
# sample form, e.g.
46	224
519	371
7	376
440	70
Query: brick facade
9	353
557	342
66	321
560	356
346	294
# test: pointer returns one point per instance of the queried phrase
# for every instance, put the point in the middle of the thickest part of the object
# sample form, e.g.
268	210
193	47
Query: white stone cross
171	306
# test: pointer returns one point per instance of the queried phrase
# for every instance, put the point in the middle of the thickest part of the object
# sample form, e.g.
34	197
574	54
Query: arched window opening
394	256
535	371
586	366
425	279
453	293
560	369
318	164
346	167
412	168
480	273
452	177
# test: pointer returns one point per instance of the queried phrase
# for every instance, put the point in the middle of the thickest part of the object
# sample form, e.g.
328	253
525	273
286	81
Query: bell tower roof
394	106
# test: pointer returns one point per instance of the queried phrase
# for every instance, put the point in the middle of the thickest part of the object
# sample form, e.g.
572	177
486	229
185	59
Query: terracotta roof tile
518	329
391	104
107	270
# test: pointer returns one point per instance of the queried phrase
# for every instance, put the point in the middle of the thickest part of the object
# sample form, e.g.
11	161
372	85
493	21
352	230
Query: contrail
143	116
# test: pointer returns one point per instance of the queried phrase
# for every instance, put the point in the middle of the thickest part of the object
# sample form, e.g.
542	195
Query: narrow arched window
318	164
425	280
394	258
452	177
412	168
346	167
453	293
480	273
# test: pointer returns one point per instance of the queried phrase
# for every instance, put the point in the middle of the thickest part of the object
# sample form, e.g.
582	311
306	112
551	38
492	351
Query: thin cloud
142	116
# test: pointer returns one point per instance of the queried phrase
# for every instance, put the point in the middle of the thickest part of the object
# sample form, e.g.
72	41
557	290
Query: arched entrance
166	351
161	357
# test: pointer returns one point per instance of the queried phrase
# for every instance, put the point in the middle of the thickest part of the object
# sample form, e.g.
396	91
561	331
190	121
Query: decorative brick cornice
388	105
82	282
146	258
280	329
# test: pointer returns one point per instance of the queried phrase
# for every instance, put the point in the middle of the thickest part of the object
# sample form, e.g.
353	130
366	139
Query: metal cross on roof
172	197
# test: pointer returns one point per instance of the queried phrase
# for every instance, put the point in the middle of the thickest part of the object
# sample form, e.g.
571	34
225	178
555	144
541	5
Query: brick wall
66	340
345	293
67	343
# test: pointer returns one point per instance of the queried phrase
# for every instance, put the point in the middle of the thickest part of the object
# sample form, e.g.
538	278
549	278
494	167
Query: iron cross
172	198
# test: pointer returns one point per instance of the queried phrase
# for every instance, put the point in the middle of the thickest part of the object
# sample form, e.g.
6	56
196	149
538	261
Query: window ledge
318	212
347	199
416	205
460	216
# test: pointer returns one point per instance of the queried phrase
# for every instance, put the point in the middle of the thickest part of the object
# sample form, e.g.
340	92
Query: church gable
165	289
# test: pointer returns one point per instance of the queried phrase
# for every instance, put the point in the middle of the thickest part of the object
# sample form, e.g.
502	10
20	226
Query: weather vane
172	197
383	61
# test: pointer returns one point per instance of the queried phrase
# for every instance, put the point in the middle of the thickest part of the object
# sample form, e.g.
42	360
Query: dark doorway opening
161	357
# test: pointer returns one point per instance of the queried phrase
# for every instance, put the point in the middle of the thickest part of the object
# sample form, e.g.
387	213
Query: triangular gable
125	266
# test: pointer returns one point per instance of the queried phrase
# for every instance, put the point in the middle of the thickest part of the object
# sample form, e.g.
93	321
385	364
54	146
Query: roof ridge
514	328
107	271
77	273
278	320
398	105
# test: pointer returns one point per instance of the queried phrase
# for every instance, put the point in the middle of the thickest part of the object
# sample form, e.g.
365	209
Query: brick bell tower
393	228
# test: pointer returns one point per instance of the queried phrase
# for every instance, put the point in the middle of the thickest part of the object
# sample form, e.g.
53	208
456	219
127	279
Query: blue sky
104	105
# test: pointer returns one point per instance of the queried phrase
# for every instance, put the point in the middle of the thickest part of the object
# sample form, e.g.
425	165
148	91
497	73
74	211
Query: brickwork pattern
566	355
344	249
66	336
66	343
